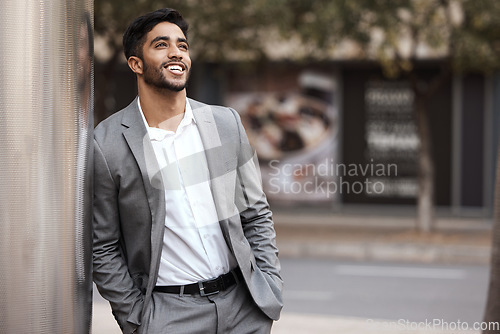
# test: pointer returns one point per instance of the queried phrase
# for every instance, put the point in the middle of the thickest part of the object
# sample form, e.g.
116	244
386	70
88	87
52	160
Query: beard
155	77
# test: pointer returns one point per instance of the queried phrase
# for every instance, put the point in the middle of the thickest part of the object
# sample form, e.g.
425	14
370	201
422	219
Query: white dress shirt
194	248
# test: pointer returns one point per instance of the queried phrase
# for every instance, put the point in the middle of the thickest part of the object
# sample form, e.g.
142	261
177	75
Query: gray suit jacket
129	210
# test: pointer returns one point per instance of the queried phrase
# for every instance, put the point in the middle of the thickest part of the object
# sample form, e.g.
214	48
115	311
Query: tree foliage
219	30
395	33
392	32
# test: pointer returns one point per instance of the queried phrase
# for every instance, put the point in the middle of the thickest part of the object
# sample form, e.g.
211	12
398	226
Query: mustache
175	61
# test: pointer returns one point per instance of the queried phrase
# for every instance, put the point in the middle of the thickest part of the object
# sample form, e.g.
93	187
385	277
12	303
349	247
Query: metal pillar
46	122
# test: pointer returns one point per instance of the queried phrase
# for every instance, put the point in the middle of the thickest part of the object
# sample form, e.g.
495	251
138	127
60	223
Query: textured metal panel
46	85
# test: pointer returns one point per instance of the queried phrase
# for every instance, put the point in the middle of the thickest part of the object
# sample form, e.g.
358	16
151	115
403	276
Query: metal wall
46	122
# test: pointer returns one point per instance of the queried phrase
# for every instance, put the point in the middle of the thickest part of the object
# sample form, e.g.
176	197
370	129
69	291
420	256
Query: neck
162	108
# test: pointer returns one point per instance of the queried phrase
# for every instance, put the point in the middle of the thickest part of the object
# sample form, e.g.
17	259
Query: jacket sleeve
255	214
110	271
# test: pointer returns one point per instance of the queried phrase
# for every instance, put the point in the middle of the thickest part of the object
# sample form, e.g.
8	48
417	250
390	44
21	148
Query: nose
175	52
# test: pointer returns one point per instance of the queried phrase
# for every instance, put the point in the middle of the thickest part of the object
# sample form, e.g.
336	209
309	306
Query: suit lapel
209	136
216	161
138	140
206	125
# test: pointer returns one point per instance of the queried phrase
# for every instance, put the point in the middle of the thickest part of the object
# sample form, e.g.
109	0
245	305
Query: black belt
207	287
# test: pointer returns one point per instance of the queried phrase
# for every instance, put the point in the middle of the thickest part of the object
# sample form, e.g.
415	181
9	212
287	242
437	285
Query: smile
177	68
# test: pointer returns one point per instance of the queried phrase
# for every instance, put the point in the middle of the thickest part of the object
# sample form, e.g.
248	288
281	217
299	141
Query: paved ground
366	237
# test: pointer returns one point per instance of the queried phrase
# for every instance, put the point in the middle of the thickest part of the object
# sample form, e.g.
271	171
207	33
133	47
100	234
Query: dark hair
134	36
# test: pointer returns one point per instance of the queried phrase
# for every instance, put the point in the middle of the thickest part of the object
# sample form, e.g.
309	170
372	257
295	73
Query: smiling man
183	236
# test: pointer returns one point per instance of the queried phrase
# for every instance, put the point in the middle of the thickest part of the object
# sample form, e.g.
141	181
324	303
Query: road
385	291
325	296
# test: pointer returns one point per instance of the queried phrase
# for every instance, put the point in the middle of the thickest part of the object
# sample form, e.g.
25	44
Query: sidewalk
382	238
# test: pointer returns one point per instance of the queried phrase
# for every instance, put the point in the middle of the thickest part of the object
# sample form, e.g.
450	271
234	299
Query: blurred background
376	124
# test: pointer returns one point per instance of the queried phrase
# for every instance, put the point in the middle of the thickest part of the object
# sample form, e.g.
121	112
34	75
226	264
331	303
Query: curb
383	239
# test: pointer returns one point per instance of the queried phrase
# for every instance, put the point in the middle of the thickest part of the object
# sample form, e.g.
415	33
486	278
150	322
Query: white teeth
175	68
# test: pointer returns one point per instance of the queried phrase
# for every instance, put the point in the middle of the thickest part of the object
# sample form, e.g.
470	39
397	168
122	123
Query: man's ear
135	64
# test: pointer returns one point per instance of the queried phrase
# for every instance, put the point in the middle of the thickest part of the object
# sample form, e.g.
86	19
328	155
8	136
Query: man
183	236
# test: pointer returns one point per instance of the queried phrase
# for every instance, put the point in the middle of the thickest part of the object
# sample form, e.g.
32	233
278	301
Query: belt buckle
201	286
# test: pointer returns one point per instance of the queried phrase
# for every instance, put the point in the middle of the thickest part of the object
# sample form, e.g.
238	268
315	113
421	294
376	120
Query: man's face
166	62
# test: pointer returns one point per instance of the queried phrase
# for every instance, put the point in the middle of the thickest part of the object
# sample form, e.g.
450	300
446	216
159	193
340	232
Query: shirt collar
160	134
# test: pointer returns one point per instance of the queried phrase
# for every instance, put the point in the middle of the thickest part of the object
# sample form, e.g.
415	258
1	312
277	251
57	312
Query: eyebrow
166	38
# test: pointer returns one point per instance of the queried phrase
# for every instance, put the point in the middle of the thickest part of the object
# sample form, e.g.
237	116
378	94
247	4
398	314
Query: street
348	293
385	291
